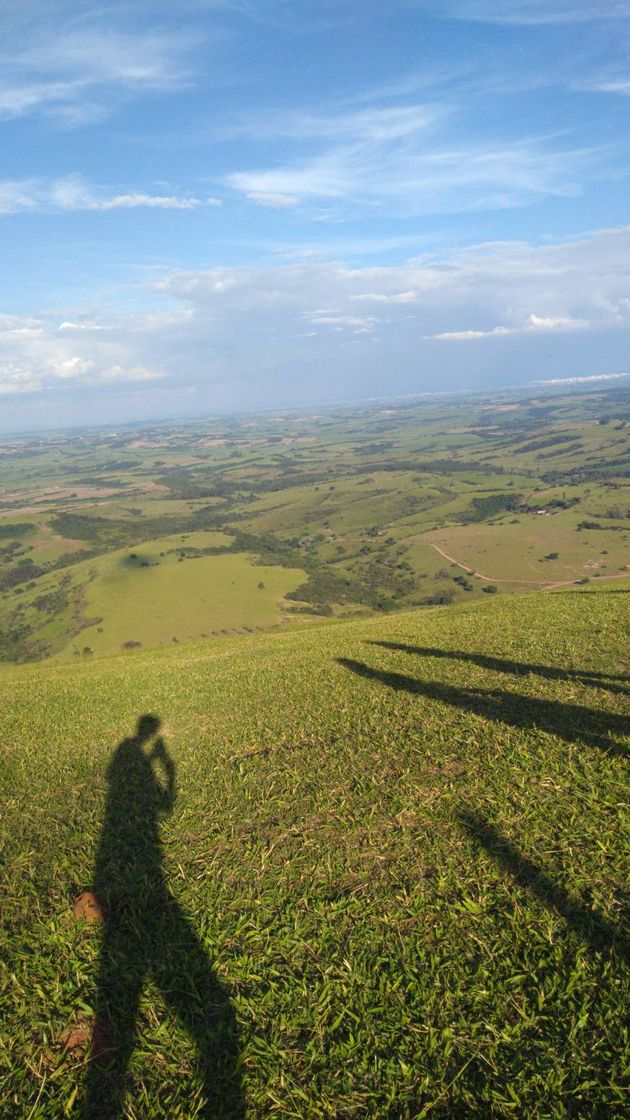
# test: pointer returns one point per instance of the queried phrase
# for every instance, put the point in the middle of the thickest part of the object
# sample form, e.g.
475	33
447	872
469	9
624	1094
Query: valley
166	532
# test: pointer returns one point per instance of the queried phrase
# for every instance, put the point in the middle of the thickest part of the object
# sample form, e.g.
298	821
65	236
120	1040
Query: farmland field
336	512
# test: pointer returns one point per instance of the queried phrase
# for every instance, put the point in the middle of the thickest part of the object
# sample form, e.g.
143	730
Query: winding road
545	585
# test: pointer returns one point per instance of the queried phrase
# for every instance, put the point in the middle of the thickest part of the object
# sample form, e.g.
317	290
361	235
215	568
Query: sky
221	205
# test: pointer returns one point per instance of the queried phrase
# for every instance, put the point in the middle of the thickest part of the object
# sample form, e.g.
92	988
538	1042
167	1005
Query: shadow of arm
161	755
600	933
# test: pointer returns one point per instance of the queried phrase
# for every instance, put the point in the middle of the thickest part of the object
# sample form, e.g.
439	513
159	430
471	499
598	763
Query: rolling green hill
173	589
382	874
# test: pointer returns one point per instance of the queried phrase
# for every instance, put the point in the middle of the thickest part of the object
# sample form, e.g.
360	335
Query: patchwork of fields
336	513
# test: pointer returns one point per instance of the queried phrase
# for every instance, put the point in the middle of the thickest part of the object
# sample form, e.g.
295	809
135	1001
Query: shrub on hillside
437	599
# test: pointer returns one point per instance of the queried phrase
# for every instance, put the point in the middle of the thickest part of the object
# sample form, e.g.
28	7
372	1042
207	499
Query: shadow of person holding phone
146	934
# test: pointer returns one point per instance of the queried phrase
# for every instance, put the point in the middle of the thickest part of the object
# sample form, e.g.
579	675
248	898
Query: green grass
397	858
178	598
509	551
113	599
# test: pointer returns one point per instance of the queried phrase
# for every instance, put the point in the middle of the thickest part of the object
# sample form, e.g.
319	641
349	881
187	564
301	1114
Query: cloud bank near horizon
222	336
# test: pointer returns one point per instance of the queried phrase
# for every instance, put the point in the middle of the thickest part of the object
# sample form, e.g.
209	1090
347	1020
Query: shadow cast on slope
598	932
146	934
517	668
571	722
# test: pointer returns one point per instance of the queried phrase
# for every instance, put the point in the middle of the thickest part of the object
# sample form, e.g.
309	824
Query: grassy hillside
395	856
171	589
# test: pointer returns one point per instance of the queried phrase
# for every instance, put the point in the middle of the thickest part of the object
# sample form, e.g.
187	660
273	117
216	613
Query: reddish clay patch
77	1037
88	908
91	1036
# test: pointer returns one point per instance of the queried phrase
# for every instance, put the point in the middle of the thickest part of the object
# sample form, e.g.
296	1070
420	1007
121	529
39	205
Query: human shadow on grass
518	668
597	931
571	722
146	935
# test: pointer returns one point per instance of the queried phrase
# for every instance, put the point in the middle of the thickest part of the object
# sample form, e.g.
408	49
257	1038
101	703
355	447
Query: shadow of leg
121	975
191	989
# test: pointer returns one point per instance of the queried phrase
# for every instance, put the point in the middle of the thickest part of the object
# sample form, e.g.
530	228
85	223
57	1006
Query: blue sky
218	205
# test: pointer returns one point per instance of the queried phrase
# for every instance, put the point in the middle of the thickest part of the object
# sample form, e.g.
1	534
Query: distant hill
368	869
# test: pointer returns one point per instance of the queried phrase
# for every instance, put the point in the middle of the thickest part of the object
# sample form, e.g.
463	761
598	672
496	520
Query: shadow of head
148	726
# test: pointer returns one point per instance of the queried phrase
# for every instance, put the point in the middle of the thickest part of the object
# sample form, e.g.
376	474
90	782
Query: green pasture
370	869
151	505
516	551
175	598
150	595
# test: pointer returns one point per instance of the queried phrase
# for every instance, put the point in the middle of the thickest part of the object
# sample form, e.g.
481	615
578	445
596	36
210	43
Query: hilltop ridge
397	842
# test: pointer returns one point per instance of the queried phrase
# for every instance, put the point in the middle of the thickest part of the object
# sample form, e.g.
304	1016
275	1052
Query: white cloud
532	323
36	355
579	380
73	193
161	202
383	297
275	201
87	325
512	287
464	336
73	74
14	380
245	336
357	324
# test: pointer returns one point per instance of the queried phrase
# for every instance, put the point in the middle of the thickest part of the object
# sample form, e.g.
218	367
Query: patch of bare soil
88	908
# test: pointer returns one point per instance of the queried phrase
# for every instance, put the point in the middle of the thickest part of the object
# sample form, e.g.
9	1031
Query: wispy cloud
617	83
403	158
377	123
349	248
74	193
72	75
